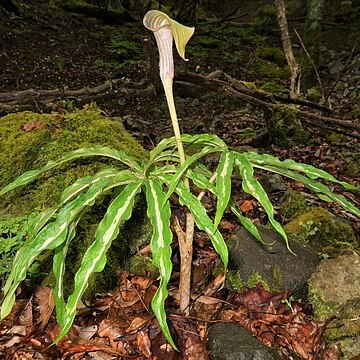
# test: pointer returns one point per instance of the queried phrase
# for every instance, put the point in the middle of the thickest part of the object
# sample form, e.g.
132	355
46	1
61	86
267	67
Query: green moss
273	88
53	135
323	231
274	55
323	310
285	128
142	266
28	141
293	204
268	70
236	282
277	278
313	95
249	84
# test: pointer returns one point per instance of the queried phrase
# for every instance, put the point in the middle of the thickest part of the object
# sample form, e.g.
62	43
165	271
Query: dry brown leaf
45	302
144	343
138	323
32	126
246	205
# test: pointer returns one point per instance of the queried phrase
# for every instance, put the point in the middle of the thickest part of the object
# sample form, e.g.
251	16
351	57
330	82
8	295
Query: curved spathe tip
154	20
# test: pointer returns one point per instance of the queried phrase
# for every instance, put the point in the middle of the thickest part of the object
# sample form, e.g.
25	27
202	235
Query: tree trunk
290	58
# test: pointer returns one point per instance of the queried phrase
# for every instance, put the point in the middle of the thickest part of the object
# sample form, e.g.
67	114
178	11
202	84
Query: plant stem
185	241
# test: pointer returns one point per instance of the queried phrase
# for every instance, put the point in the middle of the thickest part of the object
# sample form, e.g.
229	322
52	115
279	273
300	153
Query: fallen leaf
144	343
45	303
32	126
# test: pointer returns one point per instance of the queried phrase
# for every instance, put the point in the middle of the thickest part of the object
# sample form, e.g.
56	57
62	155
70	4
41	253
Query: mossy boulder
272	264
334	292
274	55
323	231
29	140
285	128
292	204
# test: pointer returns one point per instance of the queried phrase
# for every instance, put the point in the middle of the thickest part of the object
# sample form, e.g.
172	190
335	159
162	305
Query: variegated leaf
59	270
246	223
204	140
185	166
202	220
49	237
201	181
94	259
223	184
320	189
97	150
159	213
311	171
253	187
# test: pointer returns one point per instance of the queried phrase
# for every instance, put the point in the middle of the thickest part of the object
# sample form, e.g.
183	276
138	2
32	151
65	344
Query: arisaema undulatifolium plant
172	165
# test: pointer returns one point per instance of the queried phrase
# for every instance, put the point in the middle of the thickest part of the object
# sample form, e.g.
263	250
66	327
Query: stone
334	291
335	67
28	141
293	204
323	231
228	341
273	263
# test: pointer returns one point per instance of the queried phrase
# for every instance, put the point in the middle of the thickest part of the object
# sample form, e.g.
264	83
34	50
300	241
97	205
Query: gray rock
335	287
281	269
334	291
335	67
232	342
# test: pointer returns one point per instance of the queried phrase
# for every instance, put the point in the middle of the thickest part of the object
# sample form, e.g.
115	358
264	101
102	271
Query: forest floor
48	49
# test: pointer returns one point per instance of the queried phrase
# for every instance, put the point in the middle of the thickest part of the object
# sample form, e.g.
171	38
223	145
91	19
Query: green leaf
201	181
40	220
253	187
223	184
203	140
30	176
159	213
320	189
311	171
94	259
246	223
49	238
81	184
184	167
23	179
59	270
163	144
202	220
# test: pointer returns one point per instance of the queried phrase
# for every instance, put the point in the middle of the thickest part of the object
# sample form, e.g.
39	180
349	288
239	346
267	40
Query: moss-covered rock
285	128
274	55
142	266
292	204
29	140
313	95
324	232
268	69
334	290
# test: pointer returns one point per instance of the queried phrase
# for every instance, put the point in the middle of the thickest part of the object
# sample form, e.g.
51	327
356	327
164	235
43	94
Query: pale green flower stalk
166	31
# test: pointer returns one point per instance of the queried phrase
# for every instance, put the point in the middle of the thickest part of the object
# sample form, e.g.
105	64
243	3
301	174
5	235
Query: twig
313	65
